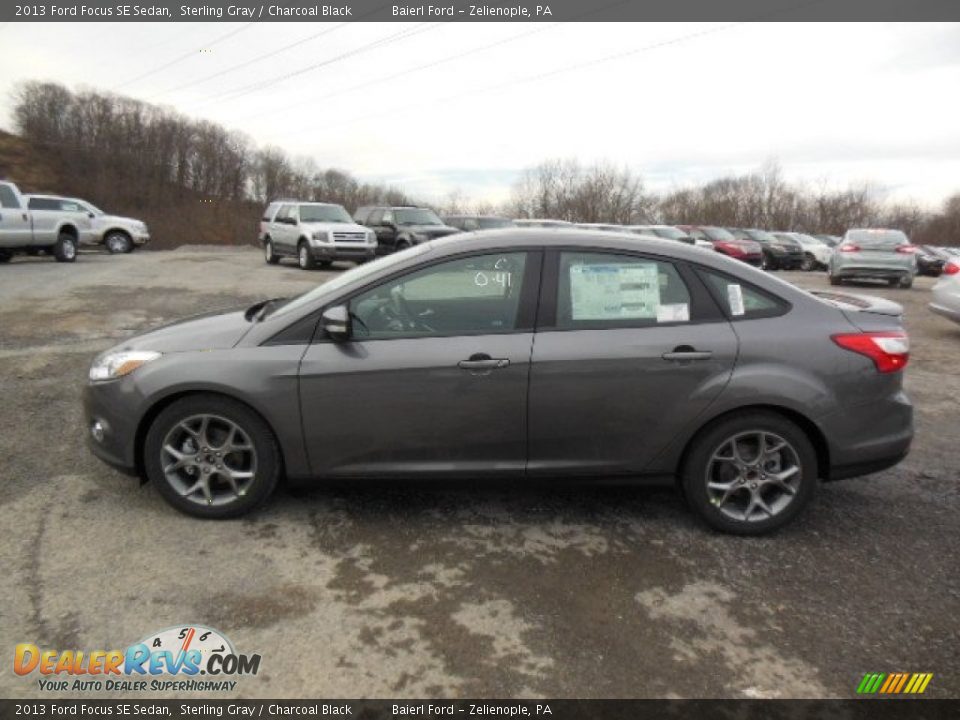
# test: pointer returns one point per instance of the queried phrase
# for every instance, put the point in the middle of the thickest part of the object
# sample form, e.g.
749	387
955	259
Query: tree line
194	181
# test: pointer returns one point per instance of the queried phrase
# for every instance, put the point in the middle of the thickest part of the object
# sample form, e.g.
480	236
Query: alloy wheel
752	476
209	460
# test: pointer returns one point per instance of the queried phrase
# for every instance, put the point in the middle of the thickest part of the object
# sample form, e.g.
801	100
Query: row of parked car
319	233
56	225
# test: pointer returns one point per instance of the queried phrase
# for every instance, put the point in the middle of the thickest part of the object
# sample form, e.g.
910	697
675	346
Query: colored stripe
862	687
910	685
926	681
878	678
891	680
902	681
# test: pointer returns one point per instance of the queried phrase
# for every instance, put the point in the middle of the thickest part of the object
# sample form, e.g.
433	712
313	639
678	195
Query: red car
724	242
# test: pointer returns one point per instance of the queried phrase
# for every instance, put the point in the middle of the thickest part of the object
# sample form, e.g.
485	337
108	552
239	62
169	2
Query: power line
252	61
389	39
183	57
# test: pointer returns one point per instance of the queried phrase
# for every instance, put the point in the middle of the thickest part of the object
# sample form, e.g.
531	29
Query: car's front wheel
211	457
750	473
808	263
906	282
118	243
305	257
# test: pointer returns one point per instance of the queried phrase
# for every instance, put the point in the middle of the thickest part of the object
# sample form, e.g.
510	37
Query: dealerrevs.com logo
181	658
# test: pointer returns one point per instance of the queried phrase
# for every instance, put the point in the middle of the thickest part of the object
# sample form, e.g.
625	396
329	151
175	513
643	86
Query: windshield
488	223
715	233
762	236
324	213
877	238
416	216
92	208
348	276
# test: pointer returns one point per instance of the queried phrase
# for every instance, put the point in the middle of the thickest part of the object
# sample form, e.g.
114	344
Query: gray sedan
518	353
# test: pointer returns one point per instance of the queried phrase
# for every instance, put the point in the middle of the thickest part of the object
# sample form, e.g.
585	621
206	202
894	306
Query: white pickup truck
27	231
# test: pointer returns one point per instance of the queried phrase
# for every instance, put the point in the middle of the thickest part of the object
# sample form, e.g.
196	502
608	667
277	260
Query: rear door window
741	300
598	290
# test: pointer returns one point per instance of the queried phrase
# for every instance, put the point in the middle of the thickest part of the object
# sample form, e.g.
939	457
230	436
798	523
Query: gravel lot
412	591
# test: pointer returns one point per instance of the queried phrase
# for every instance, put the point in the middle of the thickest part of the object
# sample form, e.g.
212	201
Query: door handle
686	353
482	361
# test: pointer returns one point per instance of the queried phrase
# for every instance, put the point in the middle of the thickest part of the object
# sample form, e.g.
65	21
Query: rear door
629	352
282	231
14	219
46	214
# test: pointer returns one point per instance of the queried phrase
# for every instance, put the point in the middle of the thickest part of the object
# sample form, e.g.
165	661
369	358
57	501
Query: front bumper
343	251
140	238
108	405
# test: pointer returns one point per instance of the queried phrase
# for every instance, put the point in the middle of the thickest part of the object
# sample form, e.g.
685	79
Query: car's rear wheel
304	257
808	263
268	254
117	242
212	457
750	473
65	249
767	263
834	280
906	282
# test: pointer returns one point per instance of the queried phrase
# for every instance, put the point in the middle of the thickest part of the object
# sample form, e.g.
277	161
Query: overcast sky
466	106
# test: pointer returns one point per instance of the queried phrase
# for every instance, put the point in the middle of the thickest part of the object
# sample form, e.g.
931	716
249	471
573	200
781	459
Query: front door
633	353
433	380
15	230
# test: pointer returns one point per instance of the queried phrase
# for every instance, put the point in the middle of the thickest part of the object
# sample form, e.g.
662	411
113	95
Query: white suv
314	233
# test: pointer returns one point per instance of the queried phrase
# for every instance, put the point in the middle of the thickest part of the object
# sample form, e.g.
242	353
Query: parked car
669	232
517	353
930	260
541	222
116	233
828	240
816	253
952	251
468	223
723	242
946	292
778	253
876	254
23	230
313	233
398	228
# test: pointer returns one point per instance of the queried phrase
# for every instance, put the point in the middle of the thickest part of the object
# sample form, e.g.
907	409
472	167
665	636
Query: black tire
809	263
834	280
269	255
906	282
117	242
305	258
5	257
712	439
768	263
65	249
268	457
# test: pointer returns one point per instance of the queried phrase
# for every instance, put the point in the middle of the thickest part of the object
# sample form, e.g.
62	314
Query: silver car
540	353
874	254
945	298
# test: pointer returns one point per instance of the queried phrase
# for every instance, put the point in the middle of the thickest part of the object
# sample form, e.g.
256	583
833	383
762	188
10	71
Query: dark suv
398	228
778	253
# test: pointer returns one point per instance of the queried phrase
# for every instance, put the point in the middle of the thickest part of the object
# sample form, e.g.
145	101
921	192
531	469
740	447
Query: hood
118	220
213	331
431	231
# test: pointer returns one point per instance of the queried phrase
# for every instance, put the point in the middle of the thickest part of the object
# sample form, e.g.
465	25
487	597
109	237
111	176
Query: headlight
321	236
371	237
117	364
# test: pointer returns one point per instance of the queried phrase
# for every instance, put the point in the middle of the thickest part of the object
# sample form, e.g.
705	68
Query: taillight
888	350
951	268
849	247
907	249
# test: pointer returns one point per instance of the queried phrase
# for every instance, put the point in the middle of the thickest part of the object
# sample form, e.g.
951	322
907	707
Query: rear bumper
868	271
868	437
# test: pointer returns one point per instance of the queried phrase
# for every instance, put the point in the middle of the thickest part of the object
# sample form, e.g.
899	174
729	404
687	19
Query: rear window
877	238
37	203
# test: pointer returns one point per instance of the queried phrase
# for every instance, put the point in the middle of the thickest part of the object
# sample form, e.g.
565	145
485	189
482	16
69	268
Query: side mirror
290	221
336	322
91	215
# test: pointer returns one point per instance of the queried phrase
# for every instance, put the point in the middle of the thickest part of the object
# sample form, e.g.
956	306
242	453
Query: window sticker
735	298
673	312
614	291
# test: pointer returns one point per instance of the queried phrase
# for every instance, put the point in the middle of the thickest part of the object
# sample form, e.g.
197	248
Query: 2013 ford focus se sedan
537	353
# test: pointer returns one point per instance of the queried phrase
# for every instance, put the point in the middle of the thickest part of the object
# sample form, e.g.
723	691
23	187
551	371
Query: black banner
899	709
479	10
